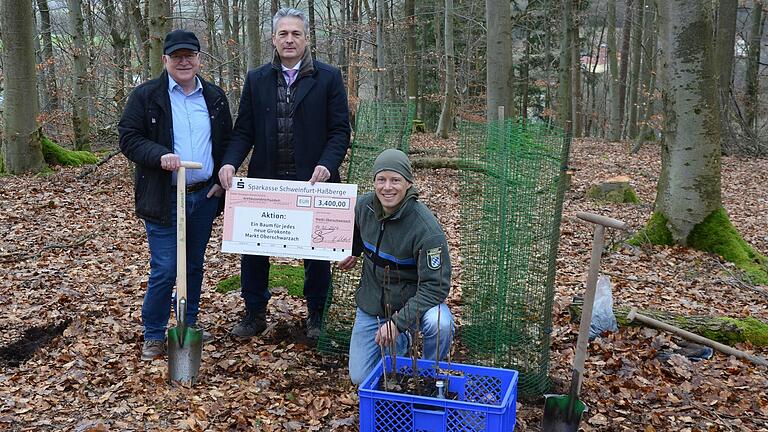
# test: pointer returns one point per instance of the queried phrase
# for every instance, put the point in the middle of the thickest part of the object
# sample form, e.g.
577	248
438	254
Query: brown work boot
253	324
314	322
152	349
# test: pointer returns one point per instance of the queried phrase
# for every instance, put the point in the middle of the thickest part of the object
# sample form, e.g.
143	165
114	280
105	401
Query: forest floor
74	265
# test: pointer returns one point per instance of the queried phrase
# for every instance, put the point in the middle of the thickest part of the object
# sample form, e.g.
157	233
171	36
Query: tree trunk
578	103
312	36
80	96
354	59
548	59
390	55
412	75
21	147
564	99
141	34
726	38
275	5
381	49
645	95
730	331
159	11
253	29
634	75
48	58
445	123
231	49
216	65
498	57
119	49
525	76
592	116
689	184
626	31
753	65
614	122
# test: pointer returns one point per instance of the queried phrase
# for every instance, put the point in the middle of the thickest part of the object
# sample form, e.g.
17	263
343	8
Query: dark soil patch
18	352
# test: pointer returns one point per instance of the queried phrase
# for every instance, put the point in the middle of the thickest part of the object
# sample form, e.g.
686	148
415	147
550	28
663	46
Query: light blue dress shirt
191	130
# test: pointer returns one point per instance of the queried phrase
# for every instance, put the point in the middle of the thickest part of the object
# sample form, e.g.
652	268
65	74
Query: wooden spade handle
191	165
603	220
181	232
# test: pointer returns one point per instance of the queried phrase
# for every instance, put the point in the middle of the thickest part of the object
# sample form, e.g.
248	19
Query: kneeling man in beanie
176	117
406	270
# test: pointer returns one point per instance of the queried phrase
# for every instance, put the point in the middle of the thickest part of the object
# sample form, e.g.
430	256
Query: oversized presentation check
289	219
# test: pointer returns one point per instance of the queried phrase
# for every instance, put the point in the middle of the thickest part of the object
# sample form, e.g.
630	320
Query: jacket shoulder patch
434	260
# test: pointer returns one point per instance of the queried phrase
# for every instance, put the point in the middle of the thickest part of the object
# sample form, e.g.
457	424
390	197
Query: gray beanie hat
393	160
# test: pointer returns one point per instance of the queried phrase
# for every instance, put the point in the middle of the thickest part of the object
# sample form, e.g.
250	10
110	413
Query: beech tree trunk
647	81
381	49
312	36
614	118
498	57
726	38
753	64
141	34
564	100
49	66
80	95
626	31
120	50
21	147
445	123
689	184
354	59
412	72
159	11
253	30
634	75
578	103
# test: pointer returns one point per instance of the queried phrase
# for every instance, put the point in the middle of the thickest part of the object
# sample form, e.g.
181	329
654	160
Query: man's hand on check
347	263
225	176
321	174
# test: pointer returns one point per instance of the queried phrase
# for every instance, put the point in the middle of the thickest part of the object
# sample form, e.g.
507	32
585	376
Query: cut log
615	190
727	330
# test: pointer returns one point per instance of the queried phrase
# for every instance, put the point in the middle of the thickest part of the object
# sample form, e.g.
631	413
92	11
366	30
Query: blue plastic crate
486	400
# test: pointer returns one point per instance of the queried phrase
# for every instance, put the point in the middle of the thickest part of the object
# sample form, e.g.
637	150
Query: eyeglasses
178	58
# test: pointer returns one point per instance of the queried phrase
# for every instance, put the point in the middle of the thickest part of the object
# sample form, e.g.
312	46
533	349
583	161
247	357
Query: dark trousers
254	277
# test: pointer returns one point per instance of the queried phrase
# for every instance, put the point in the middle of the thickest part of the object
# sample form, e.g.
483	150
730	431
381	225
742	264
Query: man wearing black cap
177	116
294	117
406	270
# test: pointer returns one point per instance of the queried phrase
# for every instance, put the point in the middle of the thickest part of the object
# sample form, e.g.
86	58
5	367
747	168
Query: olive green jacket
406	263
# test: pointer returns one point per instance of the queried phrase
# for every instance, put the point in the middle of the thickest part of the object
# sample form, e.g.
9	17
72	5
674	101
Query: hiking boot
314	322
254	323
152	349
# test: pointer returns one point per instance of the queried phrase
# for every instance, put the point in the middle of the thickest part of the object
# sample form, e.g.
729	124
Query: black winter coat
146	133
320	123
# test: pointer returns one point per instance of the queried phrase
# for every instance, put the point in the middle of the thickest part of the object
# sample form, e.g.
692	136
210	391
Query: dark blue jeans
254	277
155	311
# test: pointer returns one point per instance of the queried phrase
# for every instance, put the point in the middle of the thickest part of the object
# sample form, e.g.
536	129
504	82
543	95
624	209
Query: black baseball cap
180	39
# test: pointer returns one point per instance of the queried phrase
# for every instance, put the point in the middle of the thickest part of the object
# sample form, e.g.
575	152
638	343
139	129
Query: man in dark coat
294	117
177	116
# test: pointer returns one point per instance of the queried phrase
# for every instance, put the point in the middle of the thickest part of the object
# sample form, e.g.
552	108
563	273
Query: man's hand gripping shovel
185	344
